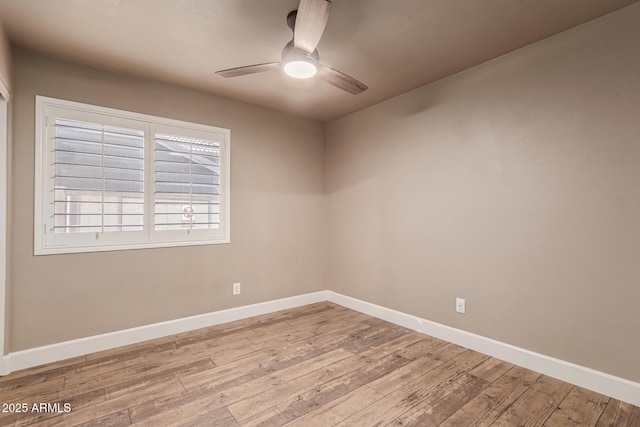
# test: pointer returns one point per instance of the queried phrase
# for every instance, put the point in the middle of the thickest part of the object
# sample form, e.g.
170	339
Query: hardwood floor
318	365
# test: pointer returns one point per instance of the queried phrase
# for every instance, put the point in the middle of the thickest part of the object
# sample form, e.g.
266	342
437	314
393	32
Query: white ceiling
393	46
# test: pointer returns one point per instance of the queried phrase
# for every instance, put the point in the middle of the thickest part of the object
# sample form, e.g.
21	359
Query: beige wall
277	216
515	185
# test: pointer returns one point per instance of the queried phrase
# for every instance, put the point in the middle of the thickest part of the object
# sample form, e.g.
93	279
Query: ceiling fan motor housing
291	53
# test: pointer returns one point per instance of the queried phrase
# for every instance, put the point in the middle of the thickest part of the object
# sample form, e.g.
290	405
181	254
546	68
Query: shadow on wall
372	146
415	103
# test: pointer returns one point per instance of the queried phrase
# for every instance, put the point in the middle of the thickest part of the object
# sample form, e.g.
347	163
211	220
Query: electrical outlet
236	289
460	305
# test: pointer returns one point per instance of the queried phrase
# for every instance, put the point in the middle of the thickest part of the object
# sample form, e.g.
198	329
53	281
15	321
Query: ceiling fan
300	57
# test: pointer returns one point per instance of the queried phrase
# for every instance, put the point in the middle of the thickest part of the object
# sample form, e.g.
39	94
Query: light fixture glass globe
300	69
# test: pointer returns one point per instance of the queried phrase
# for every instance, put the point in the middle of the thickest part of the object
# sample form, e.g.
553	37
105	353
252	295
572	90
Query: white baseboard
78	347
610	385
600	382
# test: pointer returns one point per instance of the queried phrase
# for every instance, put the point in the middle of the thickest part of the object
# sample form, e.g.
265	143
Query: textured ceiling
392	46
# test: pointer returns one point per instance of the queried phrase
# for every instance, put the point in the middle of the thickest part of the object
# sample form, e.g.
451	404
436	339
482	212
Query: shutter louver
187	183
98	180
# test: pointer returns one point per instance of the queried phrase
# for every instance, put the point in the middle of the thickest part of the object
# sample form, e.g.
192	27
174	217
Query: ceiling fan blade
341	80
248	69
311	19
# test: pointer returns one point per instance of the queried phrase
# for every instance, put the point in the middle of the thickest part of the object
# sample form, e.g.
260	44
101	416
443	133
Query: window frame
123	240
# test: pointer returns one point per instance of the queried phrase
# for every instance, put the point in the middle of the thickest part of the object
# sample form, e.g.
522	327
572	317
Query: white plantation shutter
98	179
186	183
109	179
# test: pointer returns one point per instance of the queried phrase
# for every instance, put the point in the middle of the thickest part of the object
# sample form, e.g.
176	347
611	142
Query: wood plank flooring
318	365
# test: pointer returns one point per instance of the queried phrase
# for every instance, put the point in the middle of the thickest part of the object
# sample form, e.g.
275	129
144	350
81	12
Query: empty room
320	213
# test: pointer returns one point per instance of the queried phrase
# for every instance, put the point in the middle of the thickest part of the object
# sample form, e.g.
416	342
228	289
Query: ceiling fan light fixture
299	64
300	69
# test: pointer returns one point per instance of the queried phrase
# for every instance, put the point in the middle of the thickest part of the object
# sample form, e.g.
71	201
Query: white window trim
152	241
4	163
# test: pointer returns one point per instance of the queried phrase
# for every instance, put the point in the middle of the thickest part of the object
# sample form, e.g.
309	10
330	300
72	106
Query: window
109	179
